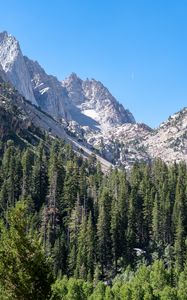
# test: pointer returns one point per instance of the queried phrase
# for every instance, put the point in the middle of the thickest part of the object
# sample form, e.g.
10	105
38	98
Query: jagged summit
3	34
73	76
88	102
13	64
95	101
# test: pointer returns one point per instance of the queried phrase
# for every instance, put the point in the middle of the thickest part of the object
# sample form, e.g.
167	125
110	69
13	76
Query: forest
69	231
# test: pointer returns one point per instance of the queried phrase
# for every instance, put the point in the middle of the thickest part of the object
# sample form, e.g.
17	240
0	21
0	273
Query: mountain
121	145
48	91
3	76
129	143
88	102
84	113
13	64
169	141
95	101
27	123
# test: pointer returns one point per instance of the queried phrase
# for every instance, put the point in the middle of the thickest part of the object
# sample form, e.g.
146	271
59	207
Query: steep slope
53	97
130	143
13	64
87	102
3	76
95	101
25	122
122	145
169	141
48	91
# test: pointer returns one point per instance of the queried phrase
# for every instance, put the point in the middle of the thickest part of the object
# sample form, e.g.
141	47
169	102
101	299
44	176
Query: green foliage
24	270
92	226
71	289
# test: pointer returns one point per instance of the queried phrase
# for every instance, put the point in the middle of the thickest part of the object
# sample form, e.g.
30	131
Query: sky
136	48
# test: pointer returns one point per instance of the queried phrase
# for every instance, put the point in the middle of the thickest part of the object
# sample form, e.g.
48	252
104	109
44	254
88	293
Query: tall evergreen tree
103	230
24	271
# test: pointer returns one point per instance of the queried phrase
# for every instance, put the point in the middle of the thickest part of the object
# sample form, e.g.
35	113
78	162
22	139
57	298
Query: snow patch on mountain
91	113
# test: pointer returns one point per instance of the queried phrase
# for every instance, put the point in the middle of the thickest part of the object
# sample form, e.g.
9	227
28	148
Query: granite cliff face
3	76
13	64
48	91
87	102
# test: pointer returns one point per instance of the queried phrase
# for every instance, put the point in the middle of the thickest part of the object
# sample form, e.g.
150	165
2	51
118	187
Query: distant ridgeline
129	232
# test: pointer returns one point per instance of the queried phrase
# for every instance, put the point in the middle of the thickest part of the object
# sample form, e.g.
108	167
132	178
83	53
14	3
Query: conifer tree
27	161
115	232
81	260
179	245
39	177
156	221
90	242
24	271
72	235
103	230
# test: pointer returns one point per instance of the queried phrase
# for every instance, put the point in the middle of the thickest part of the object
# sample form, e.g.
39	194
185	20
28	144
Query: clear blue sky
137	48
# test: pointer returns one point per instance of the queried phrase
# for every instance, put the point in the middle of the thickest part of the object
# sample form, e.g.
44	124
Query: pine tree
179	246
27	162
115	232
103	230
70	189
90	242
39	177
11	177
24	271
156	221
81	260
72	235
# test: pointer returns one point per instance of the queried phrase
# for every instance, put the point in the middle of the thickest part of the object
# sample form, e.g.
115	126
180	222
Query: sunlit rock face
49	93
13	64
96	102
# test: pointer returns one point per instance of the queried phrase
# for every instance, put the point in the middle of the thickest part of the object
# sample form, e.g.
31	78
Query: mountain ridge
52	95
86	111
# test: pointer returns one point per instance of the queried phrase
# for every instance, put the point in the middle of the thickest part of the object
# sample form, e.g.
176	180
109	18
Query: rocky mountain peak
9	50
3	35
87	102
73	77
13	64
95	101
73	85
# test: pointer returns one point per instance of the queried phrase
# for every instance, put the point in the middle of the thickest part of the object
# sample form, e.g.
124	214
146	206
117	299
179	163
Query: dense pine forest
68	231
